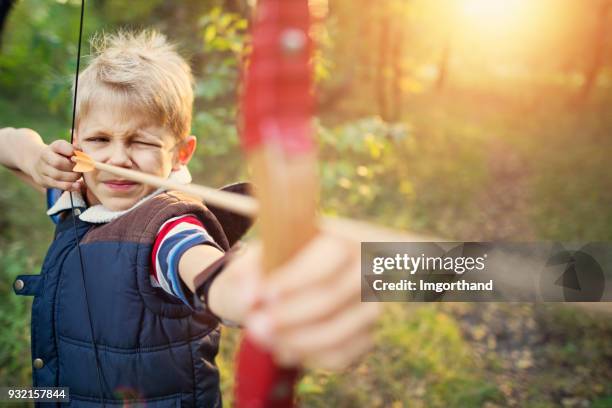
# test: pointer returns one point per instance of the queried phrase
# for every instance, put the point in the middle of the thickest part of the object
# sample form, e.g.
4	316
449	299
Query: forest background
464	119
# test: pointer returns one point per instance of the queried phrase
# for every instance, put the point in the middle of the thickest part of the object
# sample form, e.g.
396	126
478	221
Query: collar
98	214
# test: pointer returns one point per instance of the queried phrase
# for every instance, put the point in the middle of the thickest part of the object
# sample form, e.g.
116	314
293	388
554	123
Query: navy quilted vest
153	350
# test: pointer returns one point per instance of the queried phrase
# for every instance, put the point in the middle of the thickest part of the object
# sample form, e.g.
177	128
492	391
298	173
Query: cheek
100	154
89	179
158	163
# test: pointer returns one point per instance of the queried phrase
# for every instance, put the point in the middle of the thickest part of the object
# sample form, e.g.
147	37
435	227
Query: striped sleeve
174	237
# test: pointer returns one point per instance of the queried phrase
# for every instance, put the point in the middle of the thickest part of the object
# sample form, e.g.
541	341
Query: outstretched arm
16	145
310	312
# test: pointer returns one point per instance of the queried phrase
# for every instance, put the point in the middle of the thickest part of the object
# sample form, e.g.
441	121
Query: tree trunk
237	6
381	70
366	61
443	64
397	56
5	8
599	40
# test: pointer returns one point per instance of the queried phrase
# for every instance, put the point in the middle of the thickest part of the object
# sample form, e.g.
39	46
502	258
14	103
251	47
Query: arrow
237	203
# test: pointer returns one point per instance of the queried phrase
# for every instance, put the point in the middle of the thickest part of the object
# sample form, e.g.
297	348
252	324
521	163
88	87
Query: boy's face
116	134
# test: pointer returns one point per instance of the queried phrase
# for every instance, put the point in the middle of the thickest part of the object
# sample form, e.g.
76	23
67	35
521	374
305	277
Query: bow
276	136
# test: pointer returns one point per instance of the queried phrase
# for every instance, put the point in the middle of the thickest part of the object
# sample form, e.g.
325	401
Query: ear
185	151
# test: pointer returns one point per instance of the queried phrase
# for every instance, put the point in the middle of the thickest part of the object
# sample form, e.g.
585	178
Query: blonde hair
143	70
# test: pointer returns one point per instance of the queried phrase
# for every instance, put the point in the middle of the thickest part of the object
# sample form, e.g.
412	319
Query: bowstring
74	212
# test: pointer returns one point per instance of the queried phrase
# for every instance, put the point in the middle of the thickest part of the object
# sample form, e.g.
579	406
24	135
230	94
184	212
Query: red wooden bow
277	108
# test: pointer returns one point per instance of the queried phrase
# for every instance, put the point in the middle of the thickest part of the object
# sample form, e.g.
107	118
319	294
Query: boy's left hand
309	311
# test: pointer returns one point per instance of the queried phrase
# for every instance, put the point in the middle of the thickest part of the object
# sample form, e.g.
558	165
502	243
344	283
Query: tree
5	9
381	68
599	41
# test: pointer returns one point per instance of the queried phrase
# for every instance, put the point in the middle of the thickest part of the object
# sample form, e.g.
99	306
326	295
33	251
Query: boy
114	314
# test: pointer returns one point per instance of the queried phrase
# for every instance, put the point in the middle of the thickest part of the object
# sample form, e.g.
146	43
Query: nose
119	156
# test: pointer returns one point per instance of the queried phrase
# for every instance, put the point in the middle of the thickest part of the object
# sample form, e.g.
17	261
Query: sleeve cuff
179	287
204	281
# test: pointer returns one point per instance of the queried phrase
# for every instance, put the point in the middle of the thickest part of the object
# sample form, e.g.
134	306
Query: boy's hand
307	312
52	167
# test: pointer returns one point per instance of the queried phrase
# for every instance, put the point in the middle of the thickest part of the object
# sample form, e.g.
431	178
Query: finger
334	333
57	161
61	175
316	303
299	272
62	147
78	186
52	183
336	359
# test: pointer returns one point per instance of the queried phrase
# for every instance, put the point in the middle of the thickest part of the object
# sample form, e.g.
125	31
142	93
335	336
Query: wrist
204	282
214	298
32	148
222	305
28	165
211	291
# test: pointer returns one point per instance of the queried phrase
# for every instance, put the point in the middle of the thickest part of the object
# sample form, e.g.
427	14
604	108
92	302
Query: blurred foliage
435	116
15	367
223	39
35	58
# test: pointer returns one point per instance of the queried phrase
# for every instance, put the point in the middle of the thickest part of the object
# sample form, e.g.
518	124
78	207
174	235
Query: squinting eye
142	143
99	139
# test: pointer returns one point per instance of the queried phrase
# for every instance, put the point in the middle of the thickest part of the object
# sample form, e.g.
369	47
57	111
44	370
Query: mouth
120	185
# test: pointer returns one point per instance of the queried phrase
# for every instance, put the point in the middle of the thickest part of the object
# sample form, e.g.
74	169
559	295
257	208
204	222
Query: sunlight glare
492	11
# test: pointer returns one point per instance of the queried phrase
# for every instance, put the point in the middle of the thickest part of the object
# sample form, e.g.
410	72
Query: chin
120	201
119	204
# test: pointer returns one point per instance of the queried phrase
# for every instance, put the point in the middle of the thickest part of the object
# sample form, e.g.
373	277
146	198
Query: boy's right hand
52	167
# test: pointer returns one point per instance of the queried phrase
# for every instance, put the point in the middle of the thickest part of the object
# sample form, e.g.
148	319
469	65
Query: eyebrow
127	134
